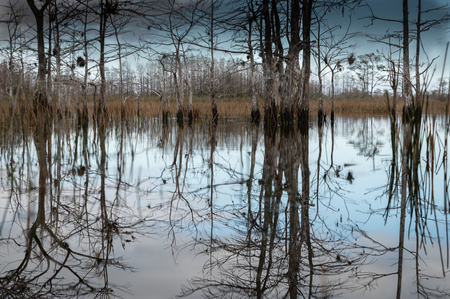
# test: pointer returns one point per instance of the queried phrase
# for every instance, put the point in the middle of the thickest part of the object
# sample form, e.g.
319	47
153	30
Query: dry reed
232	107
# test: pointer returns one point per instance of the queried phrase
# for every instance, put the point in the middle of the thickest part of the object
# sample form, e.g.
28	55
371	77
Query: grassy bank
227	107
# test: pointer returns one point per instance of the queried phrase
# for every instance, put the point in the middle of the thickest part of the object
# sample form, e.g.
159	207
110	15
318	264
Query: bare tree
331	46
393	69
334	56
424	24
40	100
303	103
252	18
269	56
407	97
293	63
369	70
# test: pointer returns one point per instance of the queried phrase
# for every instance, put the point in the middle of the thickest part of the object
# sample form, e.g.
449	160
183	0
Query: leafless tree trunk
255	114
179	82
85	113
40	100
106	8
407	104
303	104
320	114
269	69
51	16
191	93
119	53
293	66
215	114
418	41
57	53
394	75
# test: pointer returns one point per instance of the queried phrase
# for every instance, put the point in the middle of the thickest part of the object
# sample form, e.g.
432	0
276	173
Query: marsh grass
227	107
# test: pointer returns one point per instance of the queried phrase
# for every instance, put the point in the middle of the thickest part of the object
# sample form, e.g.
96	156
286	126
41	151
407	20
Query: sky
392	9
434	40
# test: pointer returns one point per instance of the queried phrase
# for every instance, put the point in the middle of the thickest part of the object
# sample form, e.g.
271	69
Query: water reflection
59	234
240	210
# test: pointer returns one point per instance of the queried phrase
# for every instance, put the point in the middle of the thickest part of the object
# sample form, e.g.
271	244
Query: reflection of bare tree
275	252
268	212
69	247
417	203
45	250
366	140
298	232
177	165
406	147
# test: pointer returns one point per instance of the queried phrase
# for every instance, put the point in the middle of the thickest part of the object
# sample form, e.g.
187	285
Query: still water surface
137	209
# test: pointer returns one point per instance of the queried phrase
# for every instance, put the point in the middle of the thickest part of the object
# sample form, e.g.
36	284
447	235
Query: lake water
138	209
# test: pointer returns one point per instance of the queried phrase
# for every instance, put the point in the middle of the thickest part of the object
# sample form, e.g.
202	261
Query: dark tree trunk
101	108
293	67
407	104
40	100
255	114
215	114
419	13
303	105
270	108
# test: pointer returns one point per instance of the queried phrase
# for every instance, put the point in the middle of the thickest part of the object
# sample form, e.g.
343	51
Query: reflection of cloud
430	267
159	274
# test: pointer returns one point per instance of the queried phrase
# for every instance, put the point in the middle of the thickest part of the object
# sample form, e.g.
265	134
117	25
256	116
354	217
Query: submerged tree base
40	103
101	112
255	116
321	117
180	116
288	117
303	120
271	116
165	117
215	115
412	112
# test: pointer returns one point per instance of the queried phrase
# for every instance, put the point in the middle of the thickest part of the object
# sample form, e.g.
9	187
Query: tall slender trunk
40	100
119	53
303	105
255	114
179	84
191	94
101	109
49	53
320	114
419	14
293	66
57	51
407	104
278	79
163	96
215	114
332	96
270	108
85	113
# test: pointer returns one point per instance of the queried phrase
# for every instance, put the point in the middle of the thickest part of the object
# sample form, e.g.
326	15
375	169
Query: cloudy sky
434	40
392	9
